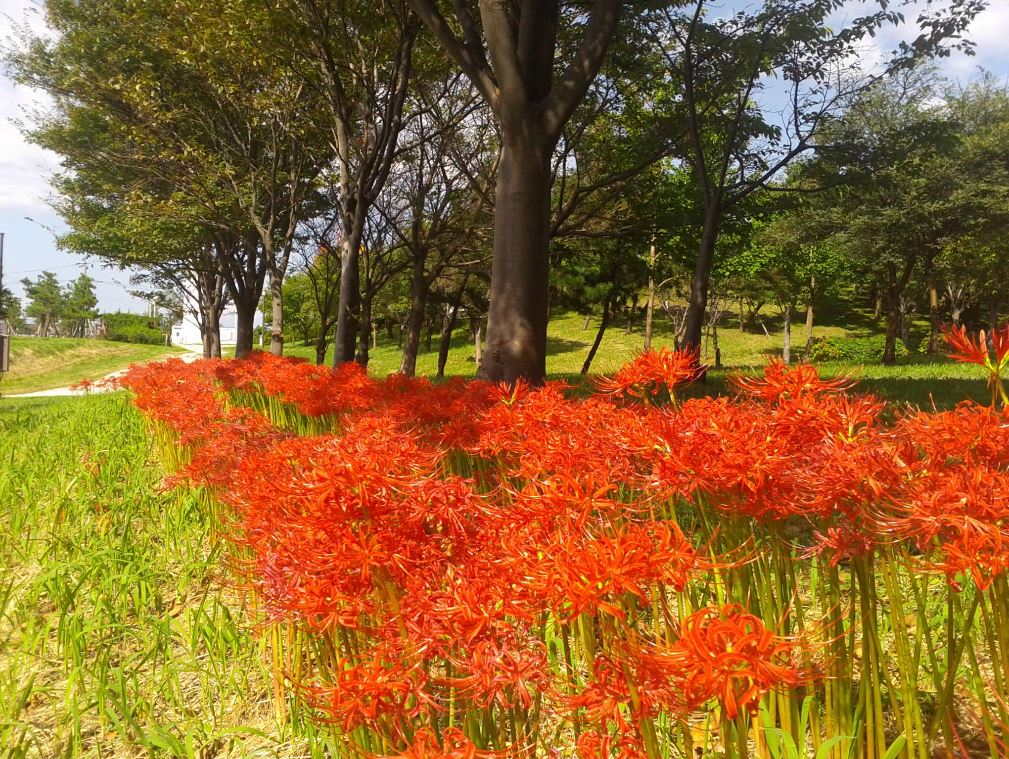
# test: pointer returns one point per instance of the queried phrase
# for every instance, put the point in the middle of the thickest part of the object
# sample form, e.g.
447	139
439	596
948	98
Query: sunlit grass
44	363
119	633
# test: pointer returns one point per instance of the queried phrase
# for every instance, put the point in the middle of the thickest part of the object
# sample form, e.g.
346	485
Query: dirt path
100	385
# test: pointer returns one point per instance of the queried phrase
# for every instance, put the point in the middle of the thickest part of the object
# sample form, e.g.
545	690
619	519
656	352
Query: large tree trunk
693	327
599	337
245	308
350	295
211	330
277	315
517	322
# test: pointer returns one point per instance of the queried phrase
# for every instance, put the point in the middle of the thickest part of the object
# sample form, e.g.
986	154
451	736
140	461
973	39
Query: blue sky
25	169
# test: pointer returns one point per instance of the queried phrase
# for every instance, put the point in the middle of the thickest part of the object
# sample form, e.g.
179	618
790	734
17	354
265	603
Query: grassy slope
918	381
117	637
45	363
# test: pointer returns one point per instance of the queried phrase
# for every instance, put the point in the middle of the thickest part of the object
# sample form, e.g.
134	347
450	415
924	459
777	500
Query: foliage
133	328
855	350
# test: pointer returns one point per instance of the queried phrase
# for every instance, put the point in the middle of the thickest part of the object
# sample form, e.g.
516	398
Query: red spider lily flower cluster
970	351
651	373
470	555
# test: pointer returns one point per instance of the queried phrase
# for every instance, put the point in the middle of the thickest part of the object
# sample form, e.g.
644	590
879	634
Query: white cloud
25	169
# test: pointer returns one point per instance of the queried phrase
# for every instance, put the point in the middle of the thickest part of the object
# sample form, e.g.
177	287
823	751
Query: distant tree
720	62
46	301
10	310
79	305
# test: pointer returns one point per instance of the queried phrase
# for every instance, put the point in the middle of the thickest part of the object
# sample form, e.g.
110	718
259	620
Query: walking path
103	385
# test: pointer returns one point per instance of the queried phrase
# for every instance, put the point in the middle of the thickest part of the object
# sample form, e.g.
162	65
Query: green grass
917	380
119	636
39	363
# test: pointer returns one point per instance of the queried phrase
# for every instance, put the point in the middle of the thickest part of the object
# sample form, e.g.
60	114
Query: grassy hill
39	363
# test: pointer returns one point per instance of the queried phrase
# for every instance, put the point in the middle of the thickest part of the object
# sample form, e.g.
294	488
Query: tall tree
533	61
45	302
736	138
79	305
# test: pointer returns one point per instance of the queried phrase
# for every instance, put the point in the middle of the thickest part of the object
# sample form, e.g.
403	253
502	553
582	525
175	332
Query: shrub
856	350
133	328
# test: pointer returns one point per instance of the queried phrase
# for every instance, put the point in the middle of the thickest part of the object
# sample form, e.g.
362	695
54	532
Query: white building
187	332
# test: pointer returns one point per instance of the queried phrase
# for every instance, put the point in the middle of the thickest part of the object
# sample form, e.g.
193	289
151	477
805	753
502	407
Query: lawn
44	363
918	380
117	635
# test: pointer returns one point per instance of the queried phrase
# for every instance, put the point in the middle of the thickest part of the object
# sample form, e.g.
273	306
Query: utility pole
2	275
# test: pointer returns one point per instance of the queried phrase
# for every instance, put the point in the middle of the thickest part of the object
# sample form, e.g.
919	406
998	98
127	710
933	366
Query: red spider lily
453	745
967	351
727	654
783	381
651	373
502	673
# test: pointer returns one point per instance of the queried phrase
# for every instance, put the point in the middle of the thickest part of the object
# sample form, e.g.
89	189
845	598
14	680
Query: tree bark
245	309
321	346
786	350
277	315
448	327
934	319
892	331
477	332
599	337
809	328
348	311
364	333
697	303
517	322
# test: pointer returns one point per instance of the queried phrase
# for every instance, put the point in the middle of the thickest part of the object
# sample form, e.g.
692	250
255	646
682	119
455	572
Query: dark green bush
856	350
133	328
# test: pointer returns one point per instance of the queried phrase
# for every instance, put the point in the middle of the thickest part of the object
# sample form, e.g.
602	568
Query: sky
29	224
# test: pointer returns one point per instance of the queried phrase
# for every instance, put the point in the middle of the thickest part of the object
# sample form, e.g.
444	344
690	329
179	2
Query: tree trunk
348	311
448	327
245	308
478	344
697	303
321	346
599	337
892	330
364	332
277	315
934	319
809	329
445	340
585	324
786	349
517	322
632	306
993	310
211	330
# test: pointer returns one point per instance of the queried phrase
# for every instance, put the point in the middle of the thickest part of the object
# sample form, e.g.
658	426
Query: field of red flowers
467	570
